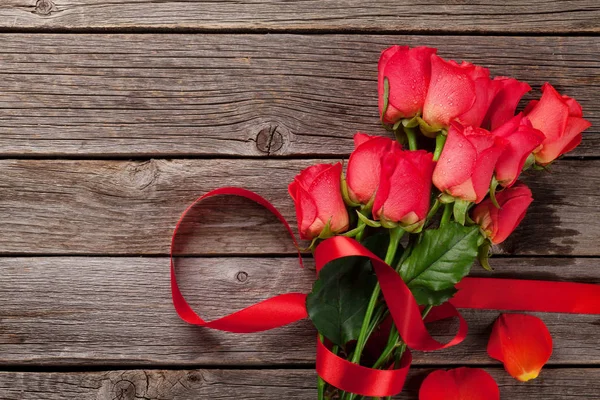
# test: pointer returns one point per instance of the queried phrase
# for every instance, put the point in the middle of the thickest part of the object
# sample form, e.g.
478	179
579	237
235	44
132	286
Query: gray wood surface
426	15
242	384
82	311
131	207
115	115
238	95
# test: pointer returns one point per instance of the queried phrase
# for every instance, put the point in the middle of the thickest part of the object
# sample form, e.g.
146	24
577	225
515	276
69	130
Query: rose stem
447	213
395	236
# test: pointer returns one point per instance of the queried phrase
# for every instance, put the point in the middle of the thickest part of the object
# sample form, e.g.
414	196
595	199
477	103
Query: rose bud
408	72
404	190
523	343
451	92
364	166
485	91
467	162
316	192
560	119
505	102
521	139
499	223
459	384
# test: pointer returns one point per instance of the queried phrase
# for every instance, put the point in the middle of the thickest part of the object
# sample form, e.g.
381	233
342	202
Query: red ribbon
478	293
268	314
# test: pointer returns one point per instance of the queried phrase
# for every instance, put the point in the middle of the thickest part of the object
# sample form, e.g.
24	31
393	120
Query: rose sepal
346	194
483	254
367	221
461	207
427	129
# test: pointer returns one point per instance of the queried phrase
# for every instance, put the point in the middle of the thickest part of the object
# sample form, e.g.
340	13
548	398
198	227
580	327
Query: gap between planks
552	384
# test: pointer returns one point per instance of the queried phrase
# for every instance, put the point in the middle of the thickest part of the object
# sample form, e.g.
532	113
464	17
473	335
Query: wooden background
115	115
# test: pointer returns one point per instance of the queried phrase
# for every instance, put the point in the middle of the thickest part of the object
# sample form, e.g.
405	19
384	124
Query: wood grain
238	95
553	384
308	15
102	311
131	207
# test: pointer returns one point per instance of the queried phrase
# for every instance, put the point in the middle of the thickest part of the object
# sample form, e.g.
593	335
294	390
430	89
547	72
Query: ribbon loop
268	314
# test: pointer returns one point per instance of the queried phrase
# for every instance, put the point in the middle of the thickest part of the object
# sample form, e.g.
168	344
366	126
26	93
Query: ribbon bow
474	293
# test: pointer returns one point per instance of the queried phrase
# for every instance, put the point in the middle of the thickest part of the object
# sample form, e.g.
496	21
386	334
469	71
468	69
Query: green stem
412	138
320	382
440	140
389	348
426	311
365	330
447	213
402	346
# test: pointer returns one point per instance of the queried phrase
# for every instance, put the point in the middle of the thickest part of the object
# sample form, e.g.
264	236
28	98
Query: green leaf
340	296
426	296
441	259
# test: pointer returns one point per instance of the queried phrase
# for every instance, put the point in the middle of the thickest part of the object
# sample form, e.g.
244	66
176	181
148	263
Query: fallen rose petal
459	384
523	343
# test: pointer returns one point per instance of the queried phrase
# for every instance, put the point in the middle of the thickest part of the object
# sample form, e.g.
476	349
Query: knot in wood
194	376
242	276
44	7
143	174
270	139
123	390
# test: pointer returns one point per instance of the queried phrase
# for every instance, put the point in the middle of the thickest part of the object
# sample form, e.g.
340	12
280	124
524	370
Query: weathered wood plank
553	384
388	15
242	95
82	311
131	207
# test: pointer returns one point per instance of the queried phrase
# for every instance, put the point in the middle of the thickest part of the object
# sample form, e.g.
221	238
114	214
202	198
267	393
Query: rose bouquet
429	202
395	235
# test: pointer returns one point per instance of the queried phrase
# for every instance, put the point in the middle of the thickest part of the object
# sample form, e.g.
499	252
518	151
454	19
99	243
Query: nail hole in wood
242	276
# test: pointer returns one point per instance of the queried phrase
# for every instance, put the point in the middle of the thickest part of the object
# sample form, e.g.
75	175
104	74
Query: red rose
408	72
505	102
467	162
451	91
499	223
521	139
316	192
364	166
405	187
485	91
560	119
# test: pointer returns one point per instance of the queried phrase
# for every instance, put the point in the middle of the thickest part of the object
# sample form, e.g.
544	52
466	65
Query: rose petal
459	384
523	343
505	102
451	92
364	166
